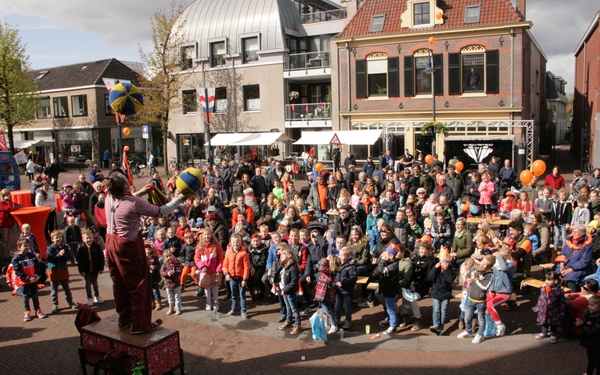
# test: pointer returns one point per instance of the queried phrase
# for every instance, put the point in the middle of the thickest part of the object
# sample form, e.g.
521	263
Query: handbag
206	280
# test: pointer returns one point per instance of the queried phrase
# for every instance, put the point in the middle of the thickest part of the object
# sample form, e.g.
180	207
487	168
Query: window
421	14
252	98
251	48
79	105
44	108
221	100
473	70
108	111
472	13
417	81
217	54
377	76
377	23
189	101
61	107
188	54
422	77
40	75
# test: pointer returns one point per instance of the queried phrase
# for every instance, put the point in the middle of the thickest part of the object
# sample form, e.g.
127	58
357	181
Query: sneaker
417	325
154	325
332	330
347	325
477	339
98	299
296	330
384	323
403	323
40	314
281	319
27	317
390	331
244	315
501	330
435	330
286	325
90	302
73	306
306	312
231	313
366	304
463	335
54	309
553	340
540	336
208	307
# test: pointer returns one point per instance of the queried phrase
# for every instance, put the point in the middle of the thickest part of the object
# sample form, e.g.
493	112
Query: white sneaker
463	335
98	299
90	302
208	307
332	330
477	339
501	329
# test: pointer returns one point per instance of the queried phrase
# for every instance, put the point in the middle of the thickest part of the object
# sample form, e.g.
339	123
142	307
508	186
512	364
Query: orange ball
126	148
319	167
428	159
126	131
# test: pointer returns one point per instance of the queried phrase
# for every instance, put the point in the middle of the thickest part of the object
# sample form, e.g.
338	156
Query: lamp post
430	69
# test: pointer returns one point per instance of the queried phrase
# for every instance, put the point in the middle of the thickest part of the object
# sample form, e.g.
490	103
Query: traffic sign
145	131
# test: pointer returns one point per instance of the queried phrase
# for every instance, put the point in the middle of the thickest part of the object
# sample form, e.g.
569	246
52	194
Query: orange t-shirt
322	196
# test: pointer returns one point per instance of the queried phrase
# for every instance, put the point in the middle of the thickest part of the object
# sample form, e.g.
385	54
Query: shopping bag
319	332
490	326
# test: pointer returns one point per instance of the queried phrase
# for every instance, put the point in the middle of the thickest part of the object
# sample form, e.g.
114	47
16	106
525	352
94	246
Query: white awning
30	143
346	137
248	139
498	137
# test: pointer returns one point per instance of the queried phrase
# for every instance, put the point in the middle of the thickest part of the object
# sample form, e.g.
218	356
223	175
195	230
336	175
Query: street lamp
430	69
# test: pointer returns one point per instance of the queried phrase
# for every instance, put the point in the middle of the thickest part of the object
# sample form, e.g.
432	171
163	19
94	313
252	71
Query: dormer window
472	13
421	13
40	75
377	23
217	53
188	54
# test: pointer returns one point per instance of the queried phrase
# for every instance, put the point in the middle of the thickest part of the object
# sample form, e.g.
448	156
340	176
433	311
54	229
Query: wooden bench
538	284
373	286
547	267
362	279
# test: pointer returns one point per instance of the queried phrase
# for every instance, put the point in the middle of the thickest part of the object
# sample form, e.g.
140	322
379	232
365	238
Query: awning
31	143
346	137
499	137
248	139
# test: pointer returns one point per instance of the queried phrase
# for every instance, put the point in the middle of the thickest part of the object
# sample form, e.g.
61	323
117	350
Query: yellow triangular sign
335	140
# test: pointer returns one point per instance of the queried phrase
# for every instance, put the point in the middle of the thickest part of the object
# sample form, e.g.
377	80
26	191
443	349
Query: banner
126	170
112	82
3	144
206	97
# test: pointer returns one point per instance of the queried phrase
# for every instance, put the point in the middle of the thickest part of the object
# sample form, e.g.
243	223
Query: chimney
521	5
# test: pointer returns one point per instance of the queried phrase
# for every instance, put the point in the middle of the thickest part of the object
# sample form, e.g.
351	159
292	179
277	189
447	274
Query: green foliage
18	98
437	126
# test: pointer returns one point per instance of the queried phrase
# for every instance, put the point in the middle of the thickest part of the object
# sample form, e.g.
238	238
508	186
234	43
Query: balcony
324	16
312	64
308	115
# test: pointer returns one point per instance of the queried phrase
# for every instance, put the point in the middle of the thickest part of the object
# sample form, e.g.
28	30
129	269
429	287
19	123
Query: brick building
489	78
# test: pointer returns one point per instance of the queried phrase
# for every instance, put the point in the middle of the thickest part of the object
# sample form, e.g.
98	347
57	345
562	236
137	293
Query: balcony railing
308	112
330	15
307	60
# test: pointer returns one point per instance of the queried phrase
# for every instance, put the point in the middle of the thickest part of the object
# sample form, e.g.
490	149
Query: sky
73	31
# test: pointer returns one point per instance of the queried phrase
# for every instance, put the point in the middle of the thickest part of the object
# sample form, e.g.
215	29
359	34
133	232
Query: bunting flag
125	167
3	144
206	97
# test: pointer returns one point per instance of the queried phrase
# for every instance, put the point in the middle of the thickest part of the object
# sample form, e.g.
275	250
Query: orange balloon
459	166
464	207
126	148
526	177
319	167
439	14
538	167
431	40
428	159
126	131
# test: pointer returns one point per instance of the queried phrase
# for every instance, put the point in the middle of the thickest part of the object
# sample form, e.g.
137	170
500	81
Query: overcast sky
73	31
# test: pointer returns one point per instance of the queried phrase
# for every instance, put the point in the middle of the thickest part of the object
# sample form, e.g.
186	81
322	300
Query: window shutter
454	79
409	76
361	79
438	62
492	71
393	77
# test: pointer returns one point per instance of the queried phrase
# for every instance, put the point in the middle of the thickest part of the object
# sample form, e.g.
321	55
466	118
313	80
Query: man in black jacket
350	160
344	222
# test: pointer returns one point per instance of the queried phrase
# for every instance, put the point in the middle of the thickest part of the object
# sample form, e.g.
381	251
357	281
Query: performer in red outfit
125	254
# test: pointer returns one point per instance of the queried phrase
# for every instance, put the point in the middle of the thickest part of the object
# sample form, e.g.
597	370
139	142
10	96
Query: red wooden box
159	351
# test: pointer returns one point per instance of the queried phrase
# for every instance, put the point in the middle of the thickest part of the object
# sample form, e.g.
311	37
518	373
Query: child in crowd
159	241
486	189
90	263
387	267
529	232
162	223
332	194
345	280
258	254
508	204
479	281
26	233
441	232
152	229
420	284
26	268
72	238
278	212
154	263
550	306
324	290
172	242
278	191
58	270
195	214
501	288
590	334
171	272
442	276
209	261
286	278
182	229
236	268
186	257
581	215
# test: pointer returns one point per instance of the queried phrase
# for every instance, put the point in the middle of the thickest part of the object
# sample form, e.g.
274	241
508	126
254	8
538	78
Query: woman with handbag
209	260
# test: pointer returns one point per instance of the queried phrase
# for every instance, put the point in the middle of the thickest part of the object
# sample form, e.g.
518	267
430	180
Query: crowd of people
399	224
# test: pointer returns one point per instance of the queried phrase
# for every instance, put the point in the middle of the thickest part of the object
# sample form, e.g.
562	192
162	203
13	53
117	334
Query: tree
18	98
164	69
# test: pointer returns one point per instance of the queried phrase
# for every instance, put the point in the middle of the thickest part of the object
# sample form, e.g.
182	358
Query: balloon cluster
538	168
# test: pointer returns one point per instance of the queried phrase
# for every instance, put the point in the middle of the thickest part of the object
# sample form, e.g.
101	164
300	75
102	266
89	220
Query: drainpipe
512	65
348	80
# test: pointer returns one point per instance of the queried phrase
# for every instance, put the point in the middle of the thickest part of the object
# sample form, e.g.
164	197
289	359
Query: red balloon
428	159
538	167
526	177
459	166
319	167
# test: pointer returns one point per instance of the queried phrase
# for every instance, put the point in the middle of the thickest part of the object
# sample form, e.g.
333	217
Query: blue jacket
272	256
580	261
502	280
56	261
347	276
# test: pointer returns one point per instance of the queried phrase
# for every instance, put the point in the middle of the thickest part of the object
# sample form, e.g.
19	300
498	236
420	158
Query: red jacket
237	264
6	219
249	216
557	182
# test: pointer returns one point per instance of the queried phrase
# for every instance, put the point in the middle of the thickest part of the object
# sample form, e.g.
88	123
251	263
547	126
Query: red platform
159	351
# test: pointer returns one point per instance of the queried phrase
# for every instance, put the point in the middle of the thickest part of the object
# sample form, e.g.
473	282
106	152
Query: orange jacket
237	264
